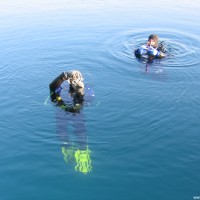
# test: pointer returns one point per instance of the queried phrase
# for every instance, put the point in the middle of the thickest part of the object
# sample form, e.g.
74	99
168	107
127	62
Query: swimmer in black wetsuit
76	90
77	149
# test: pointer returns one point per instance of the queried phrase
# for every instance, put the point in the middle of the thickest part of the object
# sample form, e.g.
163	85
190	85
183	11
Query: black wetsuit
74	116
55	90
56	84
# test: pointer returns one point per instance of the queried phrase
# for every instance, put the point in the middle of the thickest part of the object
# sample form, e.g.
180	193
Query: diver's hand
162	55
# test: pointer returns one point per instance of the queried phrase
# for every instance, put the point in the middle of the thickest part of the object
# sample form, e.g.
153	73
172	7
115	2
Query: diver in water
153	49
76	90
76	150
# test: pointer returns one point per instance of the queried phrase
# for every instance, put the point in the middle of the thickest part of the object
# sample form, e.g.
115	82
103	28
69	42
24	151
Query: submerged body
73	150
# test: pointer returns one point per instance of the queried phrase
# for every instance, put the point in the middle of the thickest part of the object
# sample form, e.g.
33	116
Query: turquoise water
143	126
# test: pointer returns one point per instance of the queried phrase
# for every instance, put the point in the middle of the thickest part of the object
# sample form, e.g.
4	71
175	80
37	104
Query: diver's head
153	40
74	77
76	82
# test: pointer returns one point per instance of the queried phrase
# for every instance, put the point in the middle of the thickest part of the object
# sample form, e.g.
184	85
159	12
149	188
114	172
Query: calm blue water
143	127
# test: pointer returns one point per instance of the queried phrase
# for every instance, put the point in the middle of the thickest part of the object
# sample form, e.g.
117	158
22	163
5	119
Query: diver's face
151	42
75	78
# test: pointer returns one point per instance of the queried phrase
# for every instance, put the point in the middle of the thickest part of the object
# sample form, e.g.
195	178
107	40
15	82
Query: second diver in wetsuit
152	49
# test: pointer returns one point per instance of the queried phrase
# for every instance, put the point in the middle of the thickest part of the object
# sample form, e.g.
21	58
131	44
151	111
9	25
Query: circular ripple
183	49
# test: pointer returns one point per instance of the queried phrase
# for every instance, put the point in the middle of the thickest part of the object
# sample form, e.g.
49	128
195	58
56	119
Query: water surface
143	126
